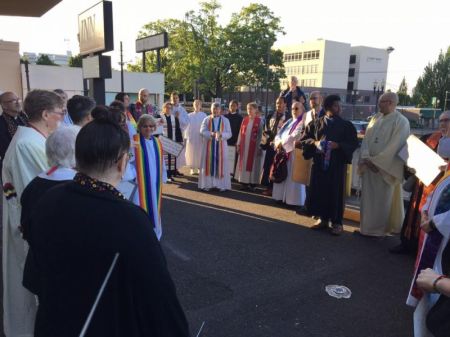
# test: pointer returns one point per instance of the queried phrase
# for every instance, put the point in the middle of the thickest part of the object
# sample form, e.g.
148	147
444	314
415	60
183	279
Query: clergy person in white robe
194	139
288	191
381	169
214	168
24	160
248	171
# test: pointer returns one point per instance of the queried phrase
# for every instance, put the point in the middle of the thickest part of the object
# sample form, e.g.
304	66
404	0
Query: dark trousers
171	165
268	161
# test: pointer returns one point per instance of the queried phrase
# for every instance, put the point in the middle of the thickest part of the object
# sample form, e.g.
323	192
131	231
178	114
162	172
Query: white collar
60	174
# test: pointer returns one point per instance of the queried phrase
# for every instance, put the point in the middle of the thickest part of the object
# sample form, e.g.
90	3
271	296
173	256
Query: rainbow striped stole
143	175
132	120
214	151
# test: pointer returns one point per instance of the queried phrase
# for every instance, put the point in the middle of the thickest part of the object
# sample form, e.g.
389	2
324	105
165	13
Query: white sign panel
171	147
422	159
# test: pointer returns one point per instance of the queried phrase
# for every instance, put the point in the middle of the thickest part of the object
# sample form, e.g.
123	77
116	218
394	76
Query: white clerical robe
205	181
24	160
194	139
288	191
382	209
182	116
253	176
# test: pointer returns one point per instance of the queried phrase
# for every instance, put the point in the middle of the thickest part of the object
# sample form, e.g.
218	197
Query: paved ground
248	267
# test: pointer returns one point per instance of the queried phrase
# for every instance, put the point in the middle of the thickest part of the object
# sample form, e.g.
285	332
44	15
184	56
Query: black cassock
327	185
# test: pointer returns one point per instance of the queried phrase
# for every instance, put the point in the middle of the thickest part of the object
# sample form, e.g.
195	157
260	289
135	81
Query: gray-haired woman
60	151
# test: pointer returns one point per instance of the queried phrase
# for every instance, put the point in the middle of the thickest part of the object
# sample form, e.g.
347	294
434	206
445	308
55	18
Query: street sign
95	29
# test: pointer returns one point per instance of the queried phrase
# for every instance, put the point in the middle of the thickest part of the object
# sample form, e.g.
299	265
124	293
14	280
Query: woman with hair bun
86	234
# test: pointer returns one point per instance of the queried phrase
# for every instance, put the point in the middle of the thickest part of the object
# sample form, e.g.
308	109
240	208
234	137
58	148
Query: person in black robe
235	119
330	141
171	123
293	93
272	126
11	118
77	231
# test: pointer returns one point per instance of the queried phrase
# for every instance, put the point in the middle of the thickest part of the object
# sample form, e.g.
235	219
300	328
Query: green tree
403	97
43	59
250	36
202	53
76	61
434	82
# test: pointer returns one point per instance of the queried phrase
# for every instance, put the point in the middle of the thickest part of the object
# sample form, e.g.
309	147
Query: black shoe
399	249
301	210
336	229
178	174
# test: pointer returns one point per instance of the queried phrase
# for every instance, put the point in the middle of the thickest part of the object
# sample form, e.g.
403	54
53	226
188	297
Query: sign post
95	32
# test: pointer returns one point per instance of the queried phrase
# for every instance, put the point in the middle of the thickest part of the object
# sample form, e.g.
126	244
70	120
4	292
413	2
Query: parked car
360	127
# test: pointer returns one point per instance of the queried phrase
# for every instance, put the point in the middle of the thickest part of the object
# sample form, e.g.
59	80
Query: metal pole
121	68
158	60
267	83
27	75
143	61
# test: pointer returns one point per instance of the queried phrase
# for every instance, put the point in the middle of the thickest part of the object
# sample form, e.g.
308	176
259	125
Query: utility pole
121	69
267	83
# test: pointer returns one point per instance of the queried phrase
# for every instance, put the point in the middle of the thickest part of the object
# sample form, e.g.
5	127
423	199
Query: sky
417	31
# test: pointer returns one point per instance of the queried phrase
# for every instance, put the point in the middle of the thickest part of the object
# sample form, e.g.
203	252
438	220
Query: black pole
158	60
143	61
267	83
121	68
27	75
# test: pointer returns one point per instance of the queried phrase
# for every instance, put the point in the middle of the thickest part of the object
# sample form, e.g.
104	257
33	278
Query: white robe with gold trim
382	209
24	160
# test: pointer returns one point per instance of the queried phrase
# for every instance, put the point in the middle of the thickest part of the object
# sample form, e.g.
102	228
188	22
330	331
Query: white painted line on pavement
176	251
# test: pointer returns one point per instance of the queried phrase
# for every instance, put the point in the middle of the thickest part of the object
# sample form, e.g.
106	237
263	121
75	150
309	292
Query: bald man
11	118
381	169
142	105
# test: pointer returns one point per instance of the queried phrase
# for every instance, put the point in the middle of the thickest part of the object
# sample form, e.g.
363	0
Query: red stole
139	106
252	147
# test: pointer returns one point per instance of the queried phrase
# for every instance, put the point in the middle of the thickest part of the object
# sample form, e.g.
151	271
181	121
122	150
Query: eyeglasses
385	101
148	126
61	113
296	108
313	98
444	120
16	100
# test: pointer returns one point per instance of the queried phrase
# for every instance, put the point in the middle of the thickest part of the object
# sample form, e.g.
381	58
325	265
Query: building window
366	99
303	83
350	85
352	59
351	72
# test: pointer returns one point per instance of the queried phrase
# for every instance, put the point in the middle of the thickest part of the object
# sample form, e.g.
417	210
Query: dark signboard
95	29
153	42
